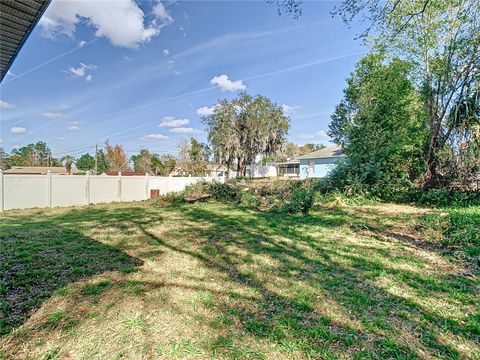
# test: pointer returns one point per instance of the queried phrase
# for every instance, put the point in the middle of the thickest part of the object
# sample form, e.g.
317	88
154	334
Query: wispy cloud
224	83
18	130
52	114
287	109
6	105
206	111
81	71
170	121
61	107
155	137
186	130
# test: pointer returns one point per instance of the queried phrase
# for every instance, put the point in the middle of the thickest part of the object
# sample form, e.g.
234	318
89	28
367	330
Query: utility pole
96	159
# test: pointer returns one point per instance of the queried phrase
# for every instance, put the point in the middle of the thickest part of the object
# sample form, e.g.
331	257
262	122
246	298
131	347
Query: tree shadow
39	258
378	322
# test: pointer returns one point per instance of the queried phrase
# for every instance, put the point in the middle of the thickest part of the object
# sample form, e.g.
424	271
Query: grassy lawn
207	280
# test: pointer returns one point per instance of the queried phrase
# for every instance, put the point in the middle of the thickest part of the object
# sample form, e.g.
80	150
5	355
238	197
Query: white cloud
162	13
74	128
18	130
61	106
155	137
166	52
6	105
322	133
186	130
172	122
224	83
81	71
206	111
306	136
122	22
287	109
59	138
81	43
52	114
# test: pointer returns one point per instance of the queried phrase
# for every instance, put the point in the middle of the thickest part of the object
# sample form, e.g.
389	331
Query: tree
442	39
168	164
86	162
183	149
245	127
199	151
380	124
37	154
68	161
3	159
102	164
146	162
116	157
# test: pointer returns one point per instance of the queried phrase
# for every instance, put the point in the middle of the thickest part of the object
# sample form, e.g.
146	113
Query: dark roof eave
17	45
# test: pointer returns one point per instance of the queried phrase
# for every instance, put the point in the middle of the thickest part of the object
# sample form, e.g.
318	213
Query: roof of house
289	162
42	170
327	152
17	20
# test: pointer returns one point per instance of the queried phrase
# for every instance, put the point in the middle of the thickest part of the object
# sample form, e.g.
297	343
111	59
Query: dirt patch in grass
214	281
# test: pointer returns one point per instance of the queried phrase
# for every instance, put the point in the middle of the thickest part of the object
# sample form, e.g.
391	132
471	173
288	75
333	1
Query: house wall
321	167
262	171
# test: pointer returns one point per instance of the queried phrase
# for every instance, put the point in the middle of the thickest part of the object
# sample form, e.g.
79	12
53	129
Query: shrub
249	200
200	187
223	192
455	227
301	200
169	199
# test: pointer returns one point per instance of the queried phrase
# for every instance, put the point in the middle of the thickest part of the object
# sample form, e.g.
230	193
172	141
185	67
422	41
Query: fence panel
29	191
134	188
104	189
22	192
69	190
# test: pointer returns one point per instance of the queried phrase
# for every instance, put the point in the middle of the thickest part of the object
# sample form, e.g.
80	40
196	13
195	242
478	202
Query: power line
74	151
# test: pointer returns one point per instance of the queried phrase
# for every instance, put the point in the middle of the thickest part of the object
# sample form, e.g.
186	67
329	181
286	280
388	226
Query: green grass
215	281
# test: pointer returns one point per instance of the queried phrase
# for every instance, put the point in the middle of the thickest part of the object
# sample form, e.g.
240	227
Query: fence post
87	185
146	186
119	186
2	192
49	188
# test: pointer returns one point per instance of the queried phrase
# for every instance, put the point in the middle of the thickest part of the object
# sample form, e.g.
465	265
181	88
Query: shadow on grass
378	324
317	296
39	257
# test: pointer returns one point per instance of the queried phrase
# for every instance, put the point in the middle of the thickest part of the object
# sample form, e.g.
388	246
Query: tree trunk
435	124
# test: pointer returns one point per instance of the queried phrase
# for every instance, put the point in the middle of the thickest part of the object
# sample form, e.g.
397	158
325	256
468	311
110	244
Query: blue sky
142	74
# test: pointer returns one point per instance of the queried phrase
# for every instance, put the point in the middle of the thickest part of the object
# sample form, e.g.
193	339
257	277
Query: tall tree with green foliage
245	127
380	124
37	154
442	39
146	162
86	162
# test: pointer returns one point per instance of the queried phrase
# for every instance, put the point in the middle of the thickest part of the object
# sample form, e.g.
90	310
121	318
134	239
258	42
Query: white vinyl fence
41	191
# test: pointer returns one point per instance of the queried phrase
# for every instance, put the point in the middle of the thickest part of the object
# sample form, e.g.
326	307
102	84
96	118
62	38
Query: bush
301	200
223	192
169	199
250	201
454	227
